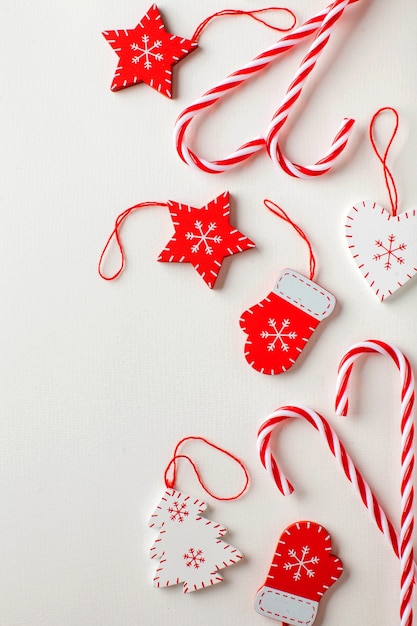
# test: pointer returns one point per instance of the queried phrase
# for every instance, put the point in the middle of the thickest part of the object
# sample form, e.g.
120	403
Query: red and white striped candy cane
339	452
322	24
294	91
225	87
407	453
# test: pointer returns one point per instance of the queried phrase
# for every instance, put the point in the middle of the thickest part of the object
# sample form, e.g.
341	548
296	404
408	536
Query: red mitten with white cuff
279	326
302	570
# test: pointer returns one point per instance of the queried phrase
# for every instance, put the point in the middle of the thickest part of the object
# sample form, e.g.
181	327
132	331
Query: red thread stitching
284	595
320	291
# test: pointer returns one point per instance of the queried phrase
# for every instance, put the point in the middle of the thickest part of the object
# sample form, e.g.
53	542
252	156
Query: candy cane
339	452
321	24
294	91
407	454
229	84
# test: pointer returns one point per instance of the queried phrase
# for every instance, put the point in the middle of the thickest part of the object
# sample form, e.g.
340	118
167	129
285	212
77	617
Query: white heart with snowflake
383	246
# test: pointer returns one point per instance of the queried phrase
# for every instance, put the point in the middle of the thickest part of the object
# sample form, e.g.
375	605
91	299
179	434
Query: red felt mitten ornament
302	570
189	546
280	325
148	52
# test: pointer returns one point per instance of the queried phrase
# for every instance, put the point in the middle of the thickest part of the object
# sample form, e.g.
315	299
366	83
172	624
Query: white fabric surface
100	380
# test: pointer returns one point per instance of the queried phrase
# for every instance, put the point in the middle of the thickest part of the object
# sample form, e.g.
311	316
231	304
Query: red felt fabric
204	237
147	53
277	333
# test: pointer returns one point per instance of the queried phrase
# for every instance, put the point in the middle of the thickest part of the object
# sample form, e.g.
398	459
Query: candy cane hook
294	91
339	452
322	24
407	454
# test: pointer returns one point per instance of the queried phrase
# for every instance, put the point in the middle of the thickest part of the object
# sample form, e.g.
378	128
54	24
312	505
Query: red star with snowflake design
147	53
204	237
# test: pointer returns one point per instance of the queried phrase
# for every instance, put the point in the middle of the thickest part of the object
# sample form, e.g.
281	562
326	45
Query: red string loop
279	212
389	178
170	482
252	14
115	234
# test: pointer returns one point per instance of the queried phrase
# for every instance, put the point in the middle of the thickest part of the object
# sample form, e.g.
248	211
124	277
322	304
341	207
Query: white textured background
99	381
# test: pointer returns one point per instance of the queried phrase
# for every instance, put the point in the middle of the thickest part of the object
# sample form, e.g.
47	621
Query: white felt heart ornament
383	246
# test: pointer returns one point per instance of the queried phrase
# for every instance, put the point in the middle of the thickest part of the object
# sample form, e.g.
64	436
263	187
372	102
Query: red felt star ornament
147	53
204	237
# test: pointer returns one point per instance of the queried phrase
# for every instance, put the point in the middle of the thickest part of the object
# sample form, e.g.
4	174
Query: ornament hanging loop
170	474
252	14
115	235
389	178
279	212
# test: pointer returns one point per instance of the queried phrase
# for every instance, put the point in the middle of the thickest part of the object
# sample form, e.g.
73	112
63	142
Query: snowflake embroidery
278	335
301	563
147	52
178	512
194	558
389	252
203	237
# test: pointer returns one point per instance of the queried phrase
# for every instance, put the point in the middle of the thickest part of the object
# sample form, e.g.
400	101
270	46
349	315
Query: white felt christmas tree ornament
189	546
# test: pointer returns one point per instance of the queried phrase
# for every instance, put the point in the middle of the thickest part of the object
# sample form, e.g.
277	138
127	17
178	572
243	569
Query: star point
147	53
204	237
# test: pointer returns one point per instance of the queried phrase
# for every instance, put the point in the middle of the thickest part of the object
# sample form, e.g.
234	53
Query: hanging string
389	178
279	212
172	465
115	234
251	14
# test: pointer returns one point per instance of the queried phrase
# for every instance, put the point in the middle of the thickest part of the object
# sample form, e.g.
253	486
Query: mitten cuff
285	607
304	294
